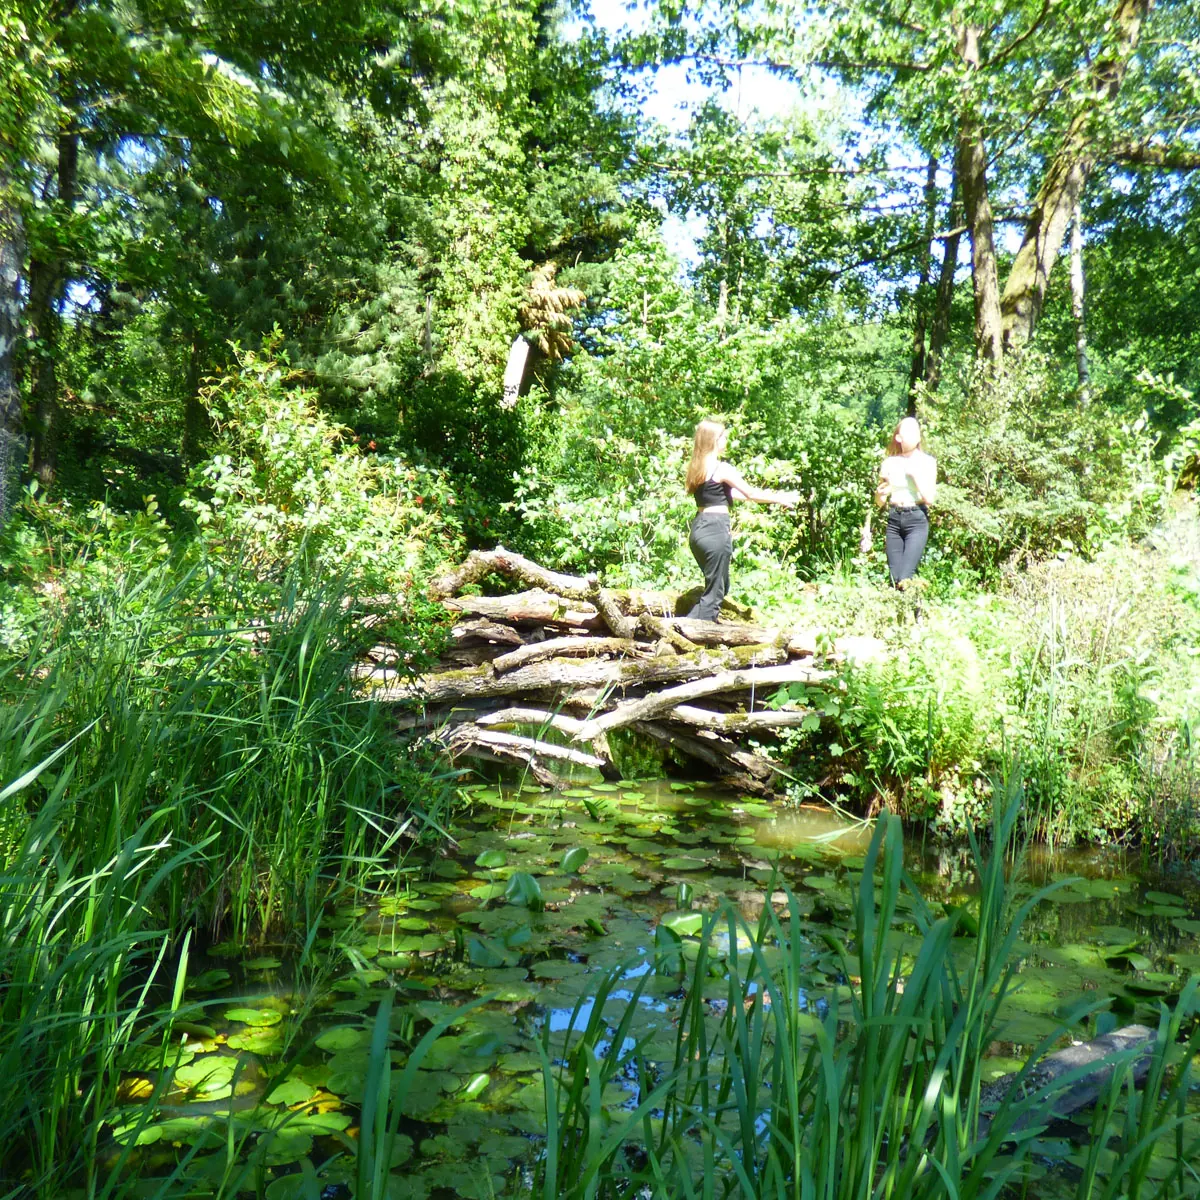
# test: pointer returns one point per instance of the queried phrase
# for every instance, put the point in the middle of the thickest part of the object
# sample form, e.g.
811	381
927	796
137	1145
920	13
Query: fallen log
711	755
662	629
540	717
473	683
1091	1063
481	563
766	677
738	722
537	606
563	647
725	633
485	631
465	736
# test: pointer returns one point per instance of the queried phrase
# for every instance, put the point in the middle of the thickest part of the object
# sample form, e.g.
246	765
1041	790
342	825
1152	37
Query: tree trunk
46	280
1062	187
939	335
972	174
12	443
917	370
1077	285
723	286
196	425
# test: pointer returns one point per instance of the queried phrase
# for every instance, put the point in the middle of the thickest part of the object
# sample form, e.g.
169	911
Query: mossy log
475	683
764	679
618	658
1085	1070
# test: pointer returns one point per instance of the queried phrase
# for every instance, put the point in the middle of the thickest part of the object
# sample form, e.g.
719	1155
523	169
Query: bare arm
883	489
725	473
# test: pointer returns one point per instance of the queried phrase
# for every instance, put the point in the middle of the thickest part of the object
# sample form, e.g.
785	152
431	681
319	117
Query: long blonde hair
704	452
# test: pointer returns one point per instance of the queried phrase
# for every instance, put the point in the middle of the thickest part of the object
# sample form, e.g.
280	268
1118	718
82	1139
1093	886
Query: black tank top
710	493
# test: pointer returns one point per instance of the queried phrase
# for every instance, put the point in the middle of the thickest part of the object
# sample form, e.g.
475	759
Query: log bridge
571	657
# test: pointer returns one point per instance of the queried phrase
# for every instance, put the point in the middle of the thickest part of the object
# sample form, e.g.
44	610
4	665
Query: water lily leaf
821	883
209	981
605	787
291	1091
488	891
1186	925
574	859
684	863
633	797
264	963
558	969
578	793
280	1147
487	952
683	923
344	1037
491	859
1164	898
524	890
475	1086
257	1017
186	1130
266	1040
210	1076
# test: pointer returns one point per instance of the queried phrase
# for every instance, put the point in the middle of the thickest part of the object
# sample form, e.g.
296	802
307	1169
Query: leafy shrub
1027	473
287	486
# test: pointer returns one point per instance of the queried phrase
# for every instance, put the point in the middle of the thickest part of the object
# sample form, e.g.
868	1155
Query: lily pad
256	1017
574	859
266	1040
209	981
291	1091
685	863
210	1076
344	1037
263	963
491	859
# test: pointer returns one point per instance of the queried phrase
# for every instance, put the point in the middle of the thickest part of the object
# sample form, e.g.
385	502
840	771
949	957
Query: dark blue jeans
907	533
711	543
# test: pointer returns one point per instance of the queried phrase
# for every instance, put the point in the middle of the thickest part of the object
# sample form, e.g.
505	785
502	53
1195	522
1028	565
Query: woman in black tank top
714	484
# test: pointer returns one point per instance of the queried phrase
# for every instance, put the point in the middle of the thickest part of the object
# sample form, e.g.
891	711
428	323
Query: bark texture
12	442
1062	186
617	658
977	206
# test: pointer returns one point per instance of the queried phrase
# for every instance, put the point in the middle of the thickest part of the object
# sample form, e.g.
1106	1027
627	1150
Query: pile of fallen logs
543	676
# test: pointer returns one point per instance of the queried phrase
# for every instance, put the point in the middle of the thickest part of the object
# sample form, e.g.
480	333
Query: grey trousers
907	533
711	542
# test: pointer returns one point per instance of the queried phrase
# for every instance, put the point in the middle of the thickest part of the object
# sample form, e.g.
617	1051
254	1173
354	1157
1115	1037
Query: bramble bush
1027	473
286	485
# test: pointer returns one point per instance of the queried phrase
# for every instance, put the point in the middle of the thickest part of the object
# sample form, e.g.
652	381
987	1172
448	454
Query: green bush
1027	473
285	486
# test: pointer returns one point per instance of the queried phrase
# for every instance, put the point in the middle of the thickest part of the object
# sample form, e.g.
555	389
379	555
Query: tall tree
1029	96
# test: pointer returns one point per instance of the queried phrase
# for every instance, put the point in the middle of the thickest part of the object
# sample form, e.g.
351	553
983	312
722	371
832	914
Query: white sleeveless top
897	469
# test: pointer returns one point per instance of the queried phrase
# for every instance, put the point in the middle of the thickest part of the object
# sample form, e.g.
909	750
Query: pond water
545	895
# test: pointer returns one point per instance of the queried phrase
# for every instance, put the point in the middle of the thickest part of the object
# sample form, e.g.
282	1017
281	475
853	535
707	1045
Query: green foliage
1027	473
773	1098
286	486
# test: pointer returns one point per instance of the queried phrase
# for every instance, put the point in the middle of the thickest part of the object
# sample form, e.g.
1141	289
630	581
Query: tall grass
170	761
878	1095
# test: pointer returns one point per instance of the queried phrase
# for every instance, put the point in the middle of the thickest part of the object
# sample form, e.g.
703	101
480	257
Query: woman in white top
908	483
714	484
